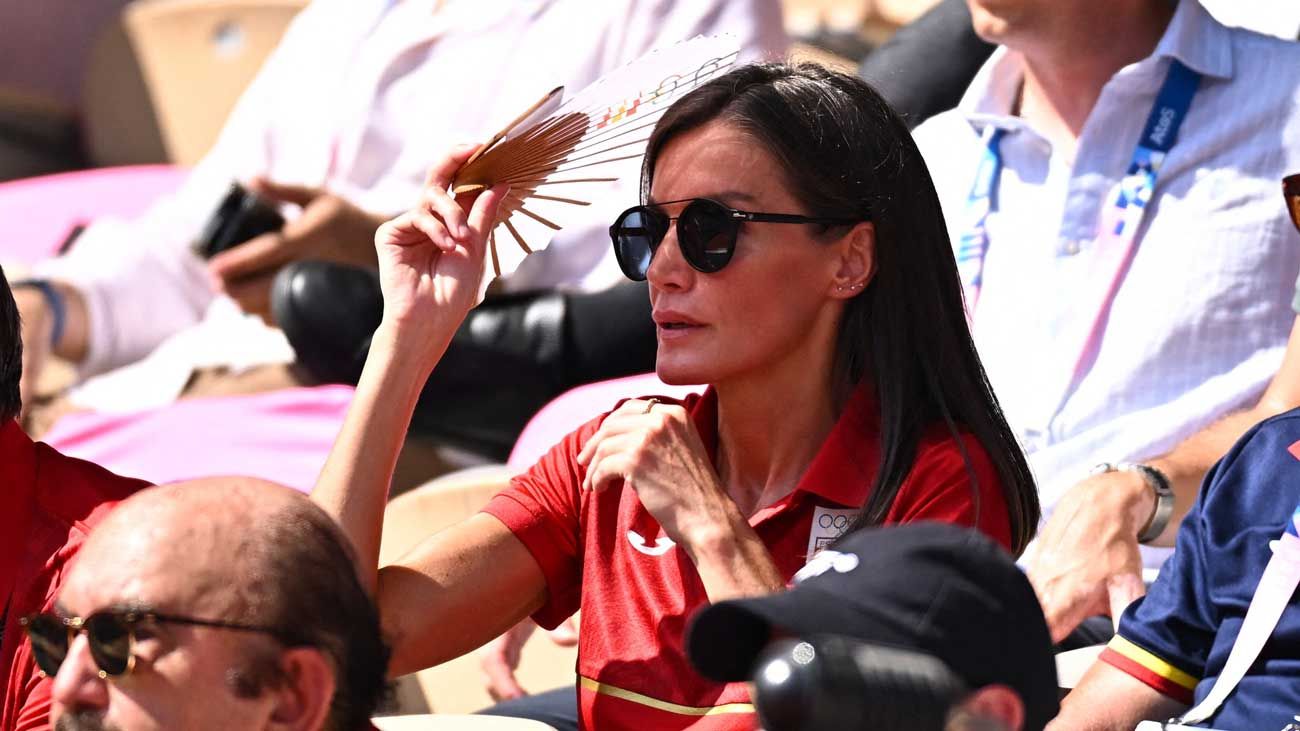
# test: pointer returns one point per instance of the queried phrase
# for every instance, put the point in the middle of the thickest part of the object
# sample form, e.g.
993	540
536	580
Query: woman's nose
668	268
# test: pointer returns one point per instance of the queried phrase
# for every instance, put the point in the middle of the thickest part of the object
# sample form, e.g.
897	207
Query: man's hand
330	228
1086	561
500	658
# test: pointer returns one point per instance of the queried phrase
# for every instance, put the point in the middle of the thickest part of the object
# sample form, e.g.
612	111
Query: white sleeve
140	280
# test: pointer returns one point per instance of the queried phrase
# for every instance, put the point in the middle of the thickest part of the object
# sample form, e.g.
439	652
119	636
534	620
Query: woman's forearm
353	485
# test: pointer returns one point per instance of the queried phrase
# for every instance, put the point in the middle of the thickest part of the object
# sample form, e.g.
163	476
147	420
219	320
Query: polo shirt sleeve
1164	638
543	508
939	488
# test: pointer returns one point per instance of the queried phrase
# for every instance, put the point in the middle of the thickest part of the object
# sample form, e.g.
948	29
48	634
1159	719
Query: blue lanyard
1135	190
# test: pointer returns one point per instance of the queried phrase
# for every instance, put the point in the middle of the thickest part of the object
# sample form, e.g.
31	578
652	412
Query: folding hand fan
558	165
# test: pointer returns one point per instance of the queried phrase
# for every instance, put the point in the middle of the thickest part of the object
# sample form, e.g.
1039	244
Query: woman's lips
671	325
673	331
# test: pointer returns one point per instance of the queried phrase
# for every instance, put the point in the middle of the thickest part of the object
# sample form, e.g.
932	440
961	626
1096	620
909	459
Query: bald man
219	604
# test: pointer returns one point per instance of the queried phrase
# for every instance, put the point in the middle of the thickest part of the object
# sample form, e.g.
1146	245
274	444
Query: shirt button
1071	247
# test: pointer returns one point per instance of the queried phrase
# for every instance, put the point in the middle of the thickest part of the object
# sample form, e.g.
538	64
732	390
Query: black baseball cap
935	588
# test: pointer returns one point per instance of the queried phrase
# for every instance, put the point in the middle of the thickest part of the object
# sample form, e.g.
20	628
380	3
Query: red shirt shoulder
52	501
543	507
77	492
939	487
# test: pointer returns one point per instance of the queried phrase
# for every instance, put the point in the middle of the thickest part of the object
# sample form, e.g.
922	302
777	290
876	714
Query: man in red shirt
49	504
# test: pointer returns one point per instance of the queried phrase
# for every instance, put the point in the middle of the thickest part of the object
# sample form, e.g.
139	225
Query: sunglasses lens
707	235
636	235
110	642
49	642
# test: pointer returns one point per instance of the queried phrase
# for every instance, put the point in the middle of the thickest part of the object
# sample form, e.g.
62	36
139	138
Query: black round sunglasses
111	635
706	233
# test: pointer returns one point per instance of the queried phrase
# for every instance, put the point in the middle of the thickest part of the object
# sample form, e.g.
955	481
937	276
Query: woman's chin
680	372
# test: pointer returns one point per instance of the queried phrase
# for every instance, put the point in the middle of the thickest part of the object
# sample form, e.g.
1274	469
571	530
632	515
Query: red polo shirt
49	504
604	554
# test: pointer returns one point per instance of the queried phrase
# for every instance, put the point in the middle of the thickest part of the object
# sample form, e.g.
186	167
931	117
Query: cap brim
724	640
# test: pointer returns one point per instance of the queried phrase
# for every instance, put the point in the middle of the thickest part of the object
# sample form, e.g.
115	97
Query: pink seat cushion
37	214
282	436
575	407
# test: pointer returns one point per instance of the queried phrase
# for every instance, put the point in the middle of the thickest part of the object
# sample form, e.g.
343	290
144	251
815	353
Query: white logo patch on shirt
661	545
827	525
842	563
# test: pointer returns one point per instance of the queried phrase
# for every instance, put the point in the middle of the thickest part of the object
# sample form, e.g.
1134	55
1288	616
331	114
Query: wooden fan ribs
568	141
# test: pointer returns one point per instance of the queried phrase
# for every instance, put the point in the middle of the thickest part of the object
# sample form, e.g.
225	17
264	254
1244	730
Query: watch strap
1163	492
55	300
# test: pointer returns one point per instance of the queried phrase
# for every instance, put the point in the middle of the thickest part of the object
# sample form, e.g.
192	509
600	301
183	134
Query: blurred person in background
225	603
1173	645
925	67
339	123
50	502
1127	267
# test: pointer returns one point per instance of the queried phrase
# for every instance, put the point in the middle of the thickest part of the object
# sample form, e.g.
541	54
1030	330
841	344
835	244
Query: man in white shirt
344	117
1121	325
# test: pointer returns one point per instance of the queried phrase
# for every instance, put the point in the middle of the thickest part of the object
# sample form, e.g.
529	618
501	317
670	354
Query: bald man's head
244	551
216	543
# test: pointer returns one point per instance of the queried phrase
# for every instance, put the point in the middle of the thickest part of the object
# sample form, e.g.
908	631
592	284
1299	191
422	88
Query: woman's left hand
654	449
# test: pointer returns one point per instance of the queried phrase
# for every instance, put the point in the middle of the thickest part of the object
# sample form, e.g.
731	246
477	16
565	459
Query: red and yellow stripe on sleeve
1150	669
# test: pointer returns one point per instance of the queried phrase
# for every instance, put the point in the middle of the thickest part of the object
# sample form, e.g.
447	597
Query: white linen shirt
361	96
1200	320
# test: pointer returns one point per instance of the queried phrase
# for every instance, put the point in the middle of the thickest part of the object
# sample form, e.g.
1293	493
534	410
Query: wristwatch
1160	486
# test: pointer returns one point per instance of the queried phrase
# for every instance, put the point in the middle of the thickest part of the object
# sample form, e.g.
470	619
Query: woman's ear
857	261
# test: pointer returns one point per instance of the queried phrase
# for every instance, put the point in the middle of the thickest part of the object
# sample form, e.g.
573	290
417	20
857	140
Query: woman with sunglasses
798	264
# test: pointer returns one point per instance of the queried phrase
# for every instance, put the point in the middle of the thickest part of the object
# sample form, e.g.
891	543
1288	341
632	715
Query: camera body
829	682
241	215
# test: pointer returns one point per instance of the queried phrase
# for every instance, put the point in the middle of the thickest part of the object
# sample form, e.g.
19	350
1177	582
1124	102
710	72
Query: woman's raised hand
431	258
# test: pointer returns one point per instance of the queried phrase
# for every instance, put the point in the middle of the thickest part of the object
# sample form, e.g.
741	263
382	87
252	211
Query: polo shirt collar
845	467
1193	37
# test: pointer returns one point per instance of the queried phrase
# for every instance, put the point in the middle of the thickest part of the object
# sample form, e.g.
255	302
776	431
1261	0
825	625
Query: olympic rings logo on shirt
836	522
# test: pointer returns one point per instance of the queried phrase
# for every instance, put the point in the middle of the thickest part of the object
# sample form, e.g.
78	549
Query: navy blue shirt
1177	638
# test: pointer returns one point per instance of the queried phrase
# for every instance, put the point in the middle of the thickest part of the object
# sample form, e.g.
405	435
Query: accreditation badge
828	524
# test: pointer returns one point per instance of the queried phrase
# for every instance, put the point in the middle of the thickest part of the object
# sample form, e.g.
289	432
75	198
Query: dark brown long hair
847	154
11	353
